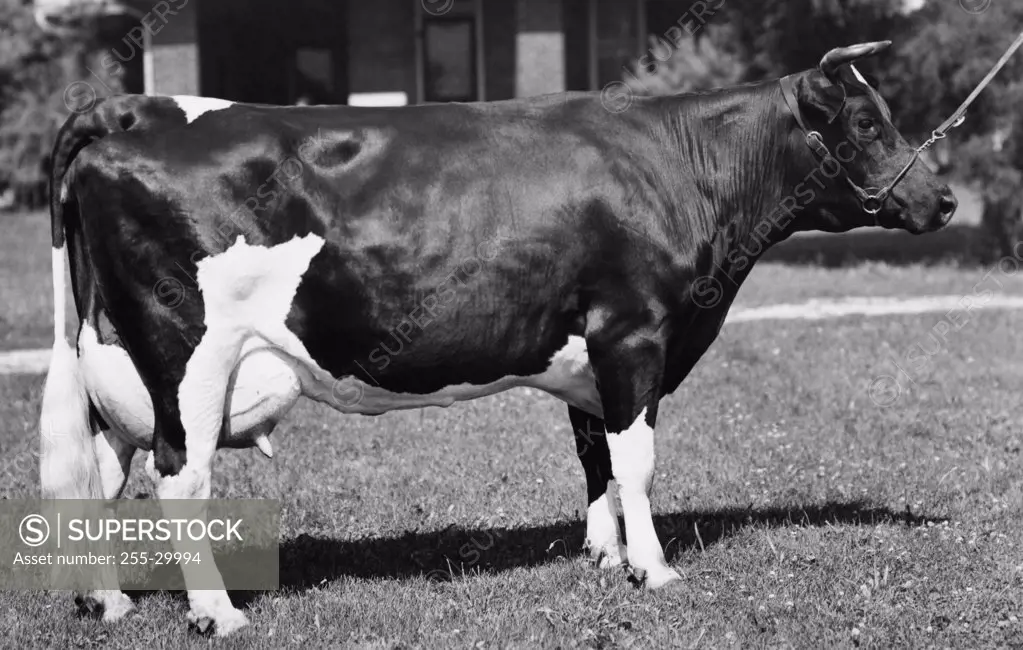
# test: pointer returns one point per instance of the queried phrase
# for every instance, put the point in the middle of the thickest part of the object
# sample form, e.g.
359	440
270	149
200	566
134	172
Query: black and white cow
227	259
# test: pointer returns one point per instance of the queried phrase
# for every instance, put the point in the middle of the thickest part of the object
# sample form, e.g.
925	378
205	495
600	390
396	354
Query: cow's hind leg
603	537
114	459
72	458
629	371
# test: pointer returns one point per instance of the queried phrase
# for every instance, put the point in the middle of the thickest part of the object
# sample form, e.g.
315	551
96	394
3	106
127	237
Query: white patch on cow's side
632	463
247	294
603	537
196	106
570	377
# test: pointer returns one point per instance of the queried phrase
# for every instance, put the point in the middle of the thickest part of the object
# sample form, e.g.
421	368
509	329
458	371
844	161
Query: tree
945	54
38	75
778	37
750	40
691	64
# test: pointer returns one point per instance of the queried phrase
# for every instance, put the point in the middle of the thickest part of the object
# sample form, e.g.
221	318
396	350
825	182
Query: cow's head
855	125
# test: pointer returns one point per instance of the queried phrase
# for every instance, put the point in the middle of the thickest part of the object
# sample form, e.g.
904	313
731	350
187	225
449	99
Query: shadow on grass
307	562
960	244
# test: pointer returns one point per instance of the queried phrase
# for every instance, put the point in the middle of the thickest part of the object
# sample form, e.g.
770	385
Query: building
380	52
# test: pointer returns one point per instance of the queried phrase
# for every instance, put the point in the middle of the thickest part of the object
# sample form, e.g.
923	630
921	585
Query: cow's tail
68	467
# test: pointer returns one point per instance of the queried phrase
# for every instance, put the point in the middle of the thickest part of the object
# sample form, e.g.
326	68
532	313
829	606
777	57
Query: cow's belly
264	387
267	383
568	377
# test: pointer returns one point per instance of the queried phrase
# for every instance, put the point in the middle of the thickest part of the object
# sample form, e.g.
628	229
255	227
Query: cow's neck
739	158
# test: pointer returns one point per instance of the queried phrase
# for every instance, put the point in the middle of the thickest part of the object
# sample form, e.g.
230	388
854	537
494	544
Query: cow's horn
842	55
263	443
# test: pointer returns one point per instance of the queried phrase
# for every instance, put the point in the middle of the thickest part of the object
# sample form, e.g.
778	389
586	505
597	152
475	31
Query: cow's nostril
948	204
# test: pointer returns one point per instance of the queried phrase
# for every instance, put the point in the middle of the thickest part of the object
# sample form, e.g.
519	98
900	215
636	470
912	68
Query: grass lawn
799	513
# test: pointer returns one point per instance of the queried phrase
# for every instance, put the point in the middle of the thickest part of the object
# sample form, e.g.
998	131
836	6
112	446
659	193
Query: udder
263	388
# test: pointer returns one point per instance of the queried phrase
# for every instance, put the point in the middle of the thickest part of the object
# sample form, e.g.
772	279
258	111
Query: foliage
778	37
691	64
943	58
36	69
749	40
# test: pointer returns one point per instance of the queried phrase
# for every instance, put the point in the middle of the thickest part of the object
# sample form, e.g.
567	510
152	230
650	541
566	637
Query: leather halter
871	202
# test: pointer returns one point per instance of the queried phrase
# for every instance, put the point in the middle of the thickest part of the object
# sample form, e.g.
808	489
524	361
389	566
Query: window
449	50
312	78
449	59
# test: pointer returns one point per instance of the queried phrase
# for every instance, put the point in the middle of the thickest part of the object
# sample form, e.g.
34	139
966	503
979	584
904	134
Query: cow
227	259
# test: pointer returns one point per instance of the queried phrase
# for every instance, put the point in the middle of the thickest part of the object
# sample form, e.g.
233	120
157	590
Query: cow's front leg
629	371
603	537
194	416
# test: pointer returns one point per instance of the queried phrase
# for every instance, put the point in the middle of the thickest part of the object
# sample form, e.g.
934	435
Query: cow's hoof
608	558
227	621
89	607
203	626
609	561
117	607
661	579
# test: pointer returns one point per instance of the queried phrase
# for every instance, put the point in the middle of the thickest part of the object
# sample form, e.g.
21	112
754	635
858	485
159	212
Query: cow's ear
818	94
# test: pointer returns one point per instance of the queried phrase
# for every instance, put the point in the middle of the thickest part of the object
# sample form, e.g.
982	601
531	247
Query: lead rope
954	120
959	116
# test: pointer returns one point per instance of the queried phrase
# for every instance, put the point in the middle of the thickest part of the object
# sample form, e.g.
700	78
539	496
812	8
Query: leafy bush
691	64
929	78
37	70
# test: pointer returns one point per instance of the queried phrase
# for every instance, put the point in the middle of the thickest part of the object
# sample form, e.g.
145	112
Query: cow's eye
865	124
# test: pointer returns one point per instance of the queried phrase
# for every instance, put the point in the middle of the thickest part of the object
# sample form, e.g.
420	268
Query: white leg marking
201	402
632	463
196	106
603	537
